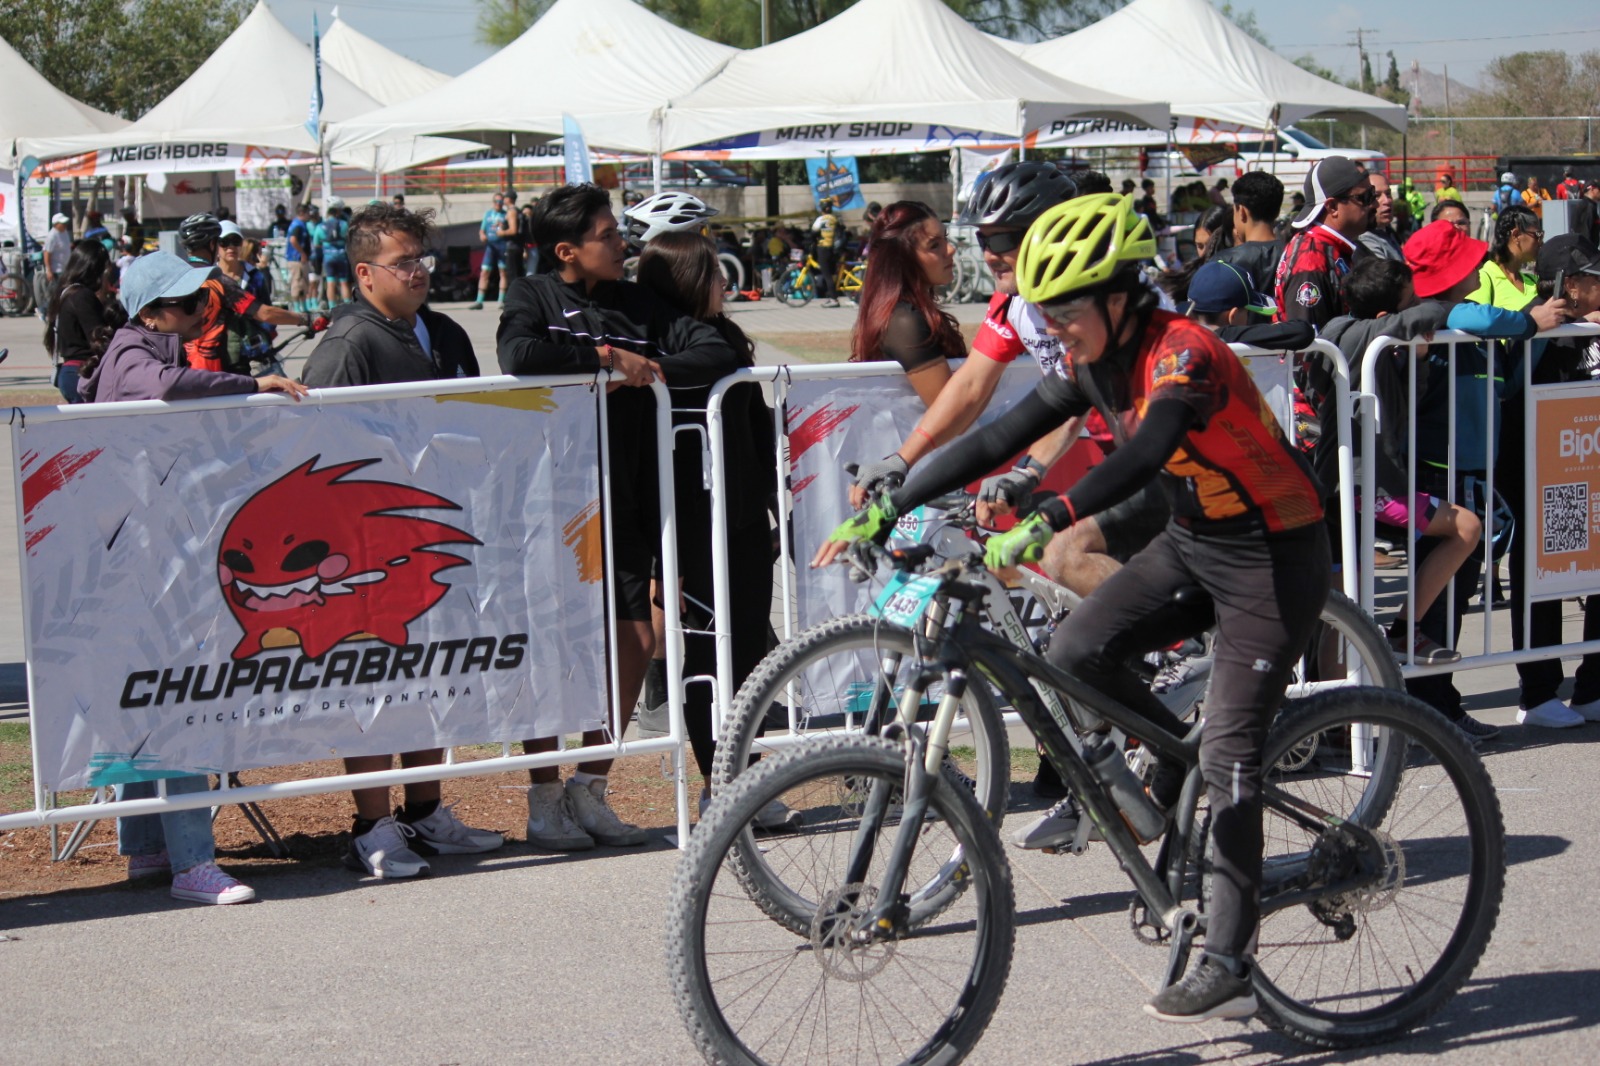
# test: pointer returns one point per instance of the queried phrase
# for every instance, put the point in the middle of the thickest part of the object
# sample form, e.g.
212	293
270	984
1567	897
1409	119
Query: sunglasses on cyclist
1002	242
186	304
409	268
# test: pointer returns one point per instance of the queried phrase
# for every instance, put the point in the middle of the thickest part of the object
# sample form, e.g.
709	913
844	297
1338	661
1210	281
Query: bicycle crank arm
1185	925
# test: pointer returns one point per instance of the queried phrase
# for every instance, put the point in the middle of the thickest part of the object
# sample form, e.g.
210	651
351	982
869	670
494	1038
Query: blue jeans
187	834
67	382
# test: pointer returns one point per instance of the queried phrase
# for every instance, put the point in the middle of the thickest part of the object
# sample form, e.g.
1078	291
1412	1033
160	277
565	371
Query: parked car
1290	155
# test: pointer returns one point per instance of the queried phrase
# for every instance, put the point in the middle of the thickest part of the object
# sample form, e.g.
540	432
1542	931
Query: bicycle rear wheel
756	991
1363	966
797	288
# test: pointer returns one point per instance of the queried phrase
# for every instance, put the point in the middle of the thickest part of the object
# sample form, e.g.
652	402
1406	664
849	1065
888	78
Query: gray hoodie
140	364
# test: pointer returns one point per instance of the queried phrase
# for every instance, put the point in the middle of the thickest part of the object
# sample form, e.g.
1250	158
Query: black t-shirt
80	314
1260	258
908	340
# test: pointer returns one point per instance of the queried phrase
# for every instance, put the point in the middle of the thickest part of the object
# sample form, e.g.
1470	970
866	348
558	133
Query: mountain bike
22	286
847	673
849	278
1377	901
798	285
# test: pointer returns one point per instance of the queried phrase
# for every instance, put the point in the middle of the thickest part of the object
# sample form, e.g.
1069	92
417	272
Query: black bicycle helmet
1018	193
197	231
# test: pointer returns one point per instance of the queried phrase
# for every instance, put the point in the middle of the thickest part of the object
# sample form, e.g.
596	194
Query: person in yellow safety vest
1535	196
1415	204
1445	187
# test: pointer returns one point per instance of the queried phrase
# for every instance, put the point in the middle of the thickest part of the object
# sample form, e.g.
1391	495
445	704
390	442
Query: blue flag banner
314	109
838	177
576	152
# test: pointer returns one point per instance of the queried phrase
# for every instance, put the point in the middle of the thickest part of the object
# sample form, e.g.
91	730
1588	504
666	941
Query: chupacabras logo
317	558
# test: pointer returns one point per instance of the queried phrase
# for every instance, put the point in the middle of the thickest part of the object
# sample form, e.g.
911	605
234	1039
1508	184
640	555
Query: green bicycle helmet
1079	245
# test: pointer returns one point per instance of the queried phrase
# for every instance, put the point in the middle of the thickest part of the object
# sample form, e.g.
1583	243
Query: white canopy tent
35	108
224	118
889	62
610	64
1188	53
385	75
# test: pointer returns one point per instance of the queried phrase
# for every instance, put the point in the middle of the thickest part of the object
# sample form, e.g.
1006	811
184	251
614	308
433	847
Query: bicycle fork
923	763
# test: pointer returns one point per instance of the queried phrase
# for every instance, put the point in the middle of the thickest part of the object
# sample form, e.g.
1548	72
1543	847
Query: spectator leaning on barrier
385	336
681	268
1383	301
1505	278
1567	359
1307	283
143	360
1223	298
1445	263
1380	238
579	317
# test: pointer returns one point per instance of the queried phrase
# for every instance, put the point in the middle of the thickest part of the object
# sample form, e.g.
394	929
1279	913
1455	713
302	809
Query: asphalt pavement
525	957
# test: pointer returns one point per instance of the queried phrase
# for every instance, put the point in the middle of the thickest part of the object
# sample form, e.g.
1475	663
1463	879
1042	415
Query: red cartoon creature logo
315	559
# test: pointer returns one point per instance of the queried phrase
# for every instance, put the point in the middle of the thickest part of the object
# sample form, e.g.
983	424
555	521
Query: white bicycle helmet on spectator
665	212
1508	178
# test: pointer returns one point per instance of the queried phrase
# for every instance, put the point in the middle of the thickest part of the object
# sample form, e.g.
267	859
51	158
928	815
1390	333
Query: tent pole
377	178
511	161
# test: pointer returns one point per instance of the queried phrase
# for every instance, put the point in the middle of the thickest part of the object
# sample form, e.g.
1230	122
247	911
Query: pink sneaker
207	884
142	866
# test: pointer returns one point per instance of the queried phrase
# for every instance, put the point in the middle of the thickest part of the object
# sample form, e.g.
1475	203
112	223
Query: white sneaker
1056	828
1590	712
550	822
595	816
207	884
1551	714
442	833
383	851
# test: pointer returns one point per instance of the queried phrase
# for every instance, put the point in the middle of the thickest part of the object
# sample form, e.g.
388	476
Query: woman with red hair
899	319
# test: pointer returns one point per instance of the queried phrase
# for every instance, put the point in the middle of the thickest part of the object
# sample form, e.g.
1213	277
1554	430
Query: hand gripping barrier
1483	403
45	813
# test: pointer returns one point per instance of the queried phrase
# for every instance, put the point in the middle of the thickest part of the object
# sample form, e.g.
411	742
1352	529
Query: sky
1460	33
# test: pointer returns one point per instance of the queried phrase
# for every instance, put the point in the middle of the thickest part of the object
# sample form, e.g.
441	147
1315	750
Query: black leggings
1268	591
750	592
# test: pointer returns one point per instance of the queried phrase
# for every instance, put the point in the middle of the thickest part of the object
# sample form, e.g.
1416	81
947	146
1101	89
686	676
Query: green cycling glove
874	522
1023	543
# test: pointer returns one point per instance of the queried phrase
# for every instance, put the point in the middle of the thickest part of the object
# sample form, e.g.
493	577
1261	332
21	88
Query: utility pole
1364	76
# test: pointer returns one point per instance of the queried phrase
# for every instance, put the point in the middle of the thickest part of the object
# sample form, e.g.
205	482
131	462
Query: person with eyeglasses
388	335
1454	212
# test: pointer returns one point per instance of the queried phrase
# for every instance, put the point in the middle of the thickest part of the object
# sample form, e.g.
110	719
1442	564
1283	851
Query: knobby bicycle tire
1412	902
712	939
854	635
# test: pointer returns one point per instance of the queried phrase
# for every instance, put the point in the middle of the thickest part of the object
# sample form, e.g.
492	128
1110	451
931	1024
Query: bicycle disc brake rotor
840	951
1382	892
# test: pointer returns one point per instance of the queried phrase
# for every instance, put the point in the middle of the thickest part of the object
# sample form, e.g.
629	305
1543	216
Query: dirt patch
829	346
315	828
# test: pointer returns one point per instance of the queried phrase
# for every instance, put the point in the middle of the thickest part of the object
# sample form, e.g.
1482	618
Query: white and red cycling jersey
1012	327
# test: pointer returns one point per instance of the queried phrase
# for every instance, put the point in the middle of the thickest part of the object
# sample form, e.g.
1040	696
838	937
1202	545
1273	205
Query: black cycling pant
1268	592
827	261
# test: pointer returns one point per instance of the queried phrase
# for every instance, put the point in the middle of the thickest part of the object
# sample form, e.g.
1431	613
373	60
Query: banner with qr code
1565	509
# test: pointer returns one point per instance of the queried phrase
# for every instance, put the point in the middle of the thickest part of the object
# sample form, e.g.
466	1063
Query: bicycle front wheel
797	289
1362	966
757	991
845	675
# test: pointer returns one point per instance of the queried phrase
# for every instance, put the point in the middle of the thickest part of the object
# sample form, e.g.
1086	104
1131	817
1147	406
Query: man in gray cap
1320	253
57	247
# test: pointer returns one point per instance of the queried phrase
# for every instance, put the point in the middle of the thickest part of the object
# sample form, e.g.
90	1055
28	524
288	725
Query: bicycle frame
1022	675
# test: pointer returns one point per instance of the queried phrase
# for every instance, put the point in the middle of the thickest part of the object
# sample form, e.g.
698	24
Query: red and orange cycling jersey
225	300
1235	468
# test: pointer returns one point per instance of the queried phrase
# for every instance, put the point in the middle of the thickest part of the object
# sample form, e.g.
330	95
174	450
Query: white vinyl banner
192	158
241	584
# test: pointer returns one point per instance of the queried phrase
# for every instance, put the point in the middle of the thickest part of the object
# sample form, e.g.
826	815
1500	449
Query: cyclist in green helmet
1246	528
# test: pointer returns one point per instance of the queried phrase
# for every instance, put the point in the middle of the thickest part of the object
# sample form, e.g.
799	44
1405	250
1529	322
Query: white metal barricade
45	814
1370	422
781	378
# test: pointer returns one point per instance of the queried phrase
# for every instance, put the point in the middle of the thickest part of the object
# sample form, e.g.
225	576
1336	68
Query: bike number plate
795	255
905	598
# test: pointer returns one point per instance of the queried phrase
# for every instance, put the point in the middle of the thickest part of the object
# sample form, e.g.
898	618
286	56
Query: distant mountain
1427	88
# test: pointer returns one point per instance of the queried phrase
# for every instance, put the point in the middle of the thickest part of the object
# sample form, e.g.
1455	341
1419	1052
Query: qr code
1566	518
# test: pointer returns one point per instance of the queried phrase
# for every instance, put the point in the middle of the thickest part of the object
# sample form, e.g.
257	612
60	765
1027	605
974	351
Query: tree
738	22
1246	21
1533	84
121	57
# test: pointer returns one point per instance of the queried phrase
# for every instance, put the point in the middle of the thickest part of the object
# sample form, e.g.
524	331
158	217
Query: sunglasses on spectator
1001	243
1365	199
186	304
231	242
409	268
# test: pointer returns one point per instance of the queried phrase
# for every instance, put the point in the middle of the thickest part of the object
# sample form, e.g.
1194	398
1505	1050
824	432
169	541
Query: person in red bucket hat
1441	257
